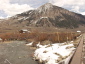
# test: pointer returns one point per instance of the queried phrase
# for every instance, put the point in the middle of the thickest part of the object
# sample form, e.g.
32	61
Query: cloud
16	9
12	9
67	2
1	17
72	5
75	9
33	3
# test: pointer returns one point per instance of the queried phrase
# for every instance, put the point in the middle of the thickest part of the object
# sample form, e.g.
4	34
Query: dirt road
15	52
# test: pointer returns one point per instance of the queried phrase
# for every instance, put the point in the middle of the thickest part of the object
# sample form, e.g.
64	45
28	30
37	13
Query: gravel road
16	52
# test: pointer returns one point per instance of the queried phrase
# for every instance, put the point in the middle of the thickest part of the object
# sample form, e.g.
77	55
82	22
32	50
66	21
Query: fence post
58	37
67	37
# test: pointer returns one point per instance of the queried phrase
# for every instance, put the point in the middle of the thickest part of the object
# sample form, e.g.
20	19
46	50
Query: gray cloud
12	7
33	3
72	5
3	13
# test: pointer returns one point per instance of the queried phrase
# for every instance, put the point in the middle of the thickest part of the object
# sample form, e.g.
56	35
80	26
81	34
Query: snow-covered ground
55	53
29	44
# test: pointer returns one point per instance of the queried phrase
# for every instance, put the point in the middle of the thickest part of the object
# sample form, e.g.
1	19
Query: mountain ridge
47	15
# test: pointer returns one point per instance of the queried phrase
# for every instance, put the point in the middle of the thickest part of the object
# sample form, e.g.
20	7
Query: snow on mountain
47	15
45	7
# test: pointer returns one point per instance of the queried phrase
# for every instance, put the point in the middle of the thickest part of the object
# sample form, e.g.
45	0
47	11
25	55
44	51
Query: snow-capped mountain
47	15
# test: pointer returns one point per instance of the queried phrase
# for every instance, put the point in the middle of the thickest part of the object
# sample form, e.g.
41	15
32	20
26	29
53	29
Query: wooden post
71	36
67	37
58	37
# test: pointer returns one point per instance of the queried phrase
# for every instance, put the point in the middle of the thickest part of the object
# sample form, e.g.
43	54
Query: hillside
47	15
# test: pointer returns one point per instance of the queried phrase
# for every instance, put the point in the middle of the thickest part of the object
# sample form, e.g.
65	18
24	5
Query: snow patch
26	18
23	18
30	12
43	17
0	39
15	16
29	44
45	7
54	54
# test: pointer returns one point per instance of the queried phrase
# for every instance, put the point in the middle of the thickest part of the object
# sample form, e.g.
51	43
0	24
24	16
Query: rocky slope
47	15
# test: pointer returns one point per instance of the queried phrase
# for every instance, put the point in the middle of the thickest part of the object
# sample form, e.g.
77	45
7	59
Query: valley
48	34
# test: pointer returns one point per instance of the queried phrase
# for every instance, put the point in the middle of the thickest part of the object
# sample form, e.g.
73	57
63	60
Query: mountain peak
47	15
45	7
48	5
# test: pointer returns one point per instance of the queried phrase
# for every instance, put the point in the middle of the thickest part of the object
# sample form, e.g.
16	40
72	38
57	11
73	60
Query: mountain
47	15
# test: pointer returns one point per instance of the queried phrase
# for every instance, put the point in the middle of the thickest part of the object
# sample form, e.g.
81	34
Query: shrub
56	37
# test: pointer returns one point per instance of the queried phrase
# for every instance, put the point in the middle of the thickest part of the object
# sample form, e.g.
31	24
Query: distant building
24	31
0	39
79	31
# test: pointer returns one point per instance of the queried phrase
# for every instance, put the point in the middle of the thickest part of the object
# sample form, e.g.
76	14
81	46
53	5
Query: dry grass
56	37
39	37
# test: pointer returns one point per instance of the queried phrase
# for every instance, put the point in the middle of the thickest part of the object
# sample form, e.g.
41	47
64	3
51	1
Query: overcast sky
13	7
